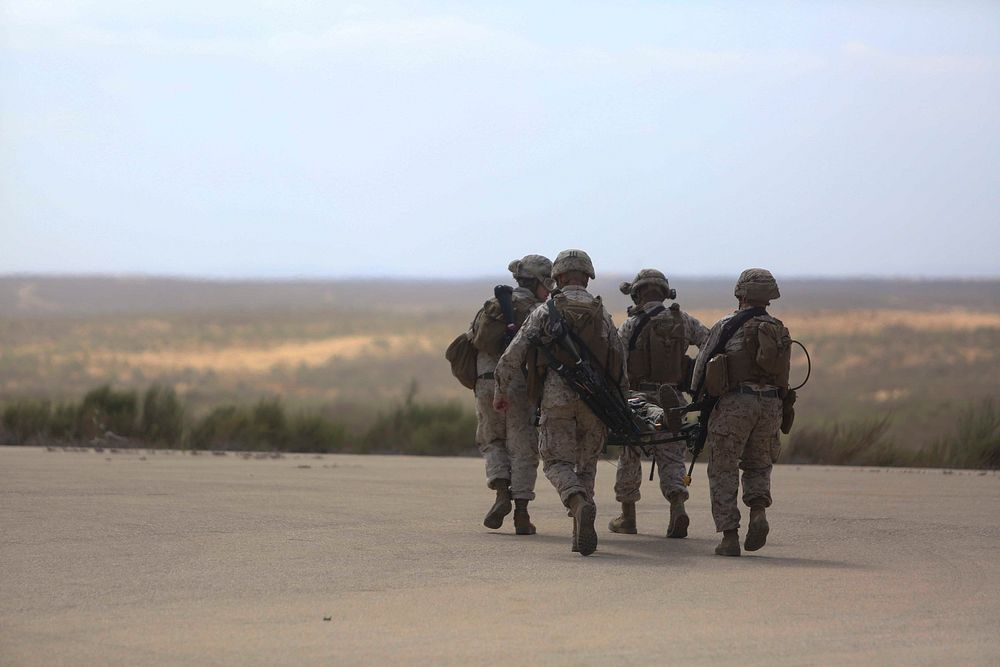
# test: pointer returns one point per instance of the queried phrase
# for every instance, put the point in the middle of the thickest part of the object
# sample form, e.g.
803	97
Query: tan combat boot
679	521
730	544
625	522
757	529
576	538
584	514
522	522
501	508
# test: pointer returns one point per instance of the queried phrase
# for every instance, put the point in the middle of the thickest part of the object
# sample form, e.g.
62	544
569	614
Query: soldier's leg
755	461
522	444
558	450
591	433
728	429
672	469
522	447
628	477
491	435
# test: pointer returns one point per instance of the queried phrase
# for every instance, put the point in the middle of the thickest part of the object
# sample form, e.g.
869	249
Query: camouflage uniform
507	440
742	432
669	458
571	437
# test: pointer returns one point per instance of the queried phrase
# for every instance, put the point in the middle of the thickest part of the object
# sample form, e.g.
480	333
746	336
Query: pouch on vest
787	411
535	370
717	376
774	351
461	354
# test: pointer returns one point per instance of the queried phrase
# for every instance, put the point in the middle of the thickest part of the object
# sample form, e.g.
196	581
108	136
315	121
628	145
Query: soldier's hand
500	403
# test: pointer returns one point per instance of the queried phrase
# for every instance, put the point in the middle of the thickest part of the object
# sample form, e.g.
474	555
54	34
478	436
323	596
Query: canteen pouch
787	411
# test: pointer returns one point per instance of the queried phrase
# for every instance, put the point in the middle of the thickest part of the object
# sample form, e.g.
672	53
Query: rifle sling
644	319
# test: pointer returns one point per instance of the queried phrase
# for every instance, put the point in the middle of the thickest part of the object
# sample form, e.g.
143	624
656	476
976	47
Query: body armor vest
588	326
765	357
657	348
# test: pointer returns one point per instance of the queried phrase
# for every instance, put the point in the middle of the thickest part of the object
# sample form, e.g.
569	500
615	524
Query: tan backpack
461	354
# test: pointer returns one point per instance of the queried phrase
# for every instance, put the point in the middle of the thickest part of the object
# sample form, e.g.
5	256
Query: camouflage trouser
570	441
507	440
742	435
669	464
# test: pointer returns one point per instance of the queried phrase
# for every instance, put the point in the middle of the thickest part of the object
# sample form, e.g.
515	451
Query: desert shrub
862	442
315	433
162	418
26	420
225	427
423	428
975	442
65	421
269	426
104	409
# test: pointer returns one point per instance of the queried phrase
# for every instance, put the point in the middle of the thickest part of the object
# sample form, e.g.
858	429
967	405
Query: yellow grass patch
871	321
260	359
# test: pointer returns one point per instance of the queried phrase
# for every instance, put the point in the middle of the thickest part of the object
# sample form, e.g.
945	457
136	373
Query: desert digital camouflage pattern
507	440
571	437
669	458
742	435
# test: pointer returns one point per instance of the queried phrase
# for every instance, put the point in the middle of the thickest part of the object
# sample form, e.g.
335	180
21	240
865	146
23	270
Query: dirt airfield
140	558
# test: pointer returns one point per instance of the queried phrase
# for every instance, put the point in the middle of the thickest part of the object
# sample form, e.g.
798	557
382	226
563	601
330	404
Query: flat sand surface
134	558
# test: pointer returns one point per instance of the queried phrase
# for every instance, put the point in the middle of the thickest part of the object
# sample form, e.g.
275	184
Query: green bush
104	409
975	443
414	428
315	433
26	420
225	427
162	420
854	443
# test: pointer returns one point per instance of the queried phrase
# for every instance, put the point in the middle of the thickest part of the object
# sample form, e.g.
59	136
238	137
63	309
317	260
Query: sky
281	139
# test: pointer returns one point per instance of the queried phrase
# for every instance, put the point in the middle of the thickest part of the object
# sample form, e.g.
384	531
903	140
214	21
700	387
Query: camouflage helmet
531	266
757	286
573	260
648	277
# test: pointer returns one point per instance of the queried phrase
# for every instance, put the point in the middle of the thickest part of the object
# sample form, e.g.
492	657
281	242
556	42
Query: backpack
657	347
461	354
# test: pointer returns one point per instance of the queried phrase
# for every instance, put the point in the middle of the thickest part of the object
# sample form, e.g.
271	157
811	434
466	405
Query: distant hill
41	296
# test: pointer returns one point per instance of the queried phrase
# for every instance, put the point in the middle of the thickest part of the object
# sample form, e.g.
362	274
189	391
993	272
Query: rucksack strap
644	319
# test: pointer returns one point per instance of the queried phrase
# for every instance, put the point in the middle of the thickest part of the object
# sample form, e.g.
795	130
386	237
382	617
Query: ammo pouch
717	376
535	370
787	411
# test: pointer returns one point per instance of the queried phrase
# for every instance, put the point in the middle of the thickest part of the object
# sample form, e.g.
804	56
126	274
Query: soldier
571	436
749	372
508	441
656	339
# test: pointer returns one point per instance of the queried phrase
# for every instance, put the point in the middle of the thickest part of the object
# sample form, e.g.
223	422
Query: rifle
704	404
589	381
504	296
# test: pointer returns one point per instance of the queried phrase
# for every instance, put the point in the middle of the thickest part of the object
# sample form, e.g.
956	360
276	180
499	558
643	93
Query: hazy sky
282	138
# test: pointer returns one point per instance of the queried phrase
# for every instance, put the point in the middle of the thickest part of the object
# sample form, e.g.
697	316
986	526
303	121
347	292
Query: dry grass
227	359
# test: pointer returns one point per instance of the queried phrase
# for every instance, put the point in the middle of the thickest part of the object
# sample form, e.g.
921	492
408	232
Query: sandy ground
112	559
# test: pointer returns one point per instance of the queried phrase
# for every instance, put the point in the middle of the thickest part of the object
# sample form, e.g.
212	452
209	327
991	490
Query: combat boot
522	522
679	521
576	538
584	514
757	529
501	508
730	544
625	522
